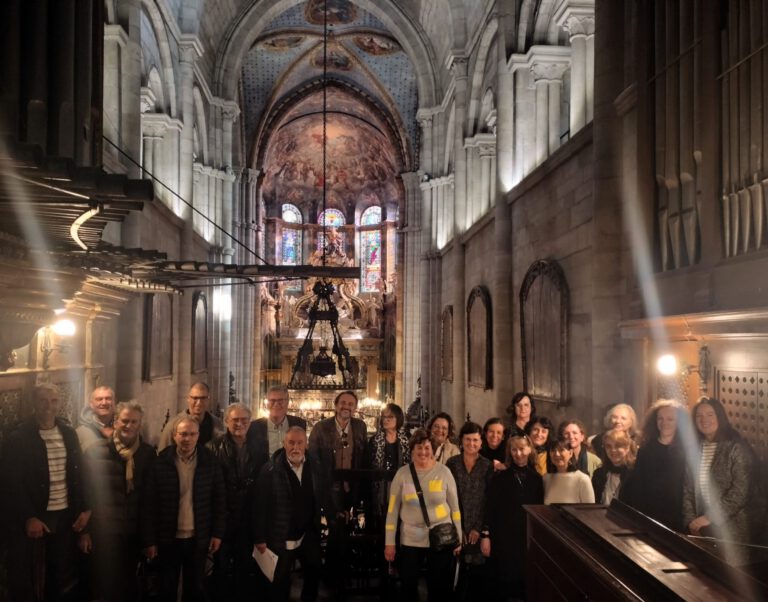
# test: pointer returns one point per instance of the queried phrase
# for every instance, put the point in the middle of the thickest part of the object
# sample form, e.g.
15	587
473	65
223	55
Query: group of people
690	471
216	495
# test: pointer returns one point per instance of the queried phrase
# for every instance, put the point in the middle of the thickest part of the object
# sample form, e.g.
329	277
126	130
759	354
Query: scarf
126	453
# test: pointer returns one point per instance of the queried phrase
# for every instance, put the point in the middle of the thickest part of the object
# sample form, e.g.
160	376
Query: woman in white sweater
442	502
567	485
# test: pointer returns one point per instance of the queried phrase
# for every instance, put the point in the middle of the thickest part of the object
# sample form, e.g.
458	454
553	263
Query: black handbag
442	537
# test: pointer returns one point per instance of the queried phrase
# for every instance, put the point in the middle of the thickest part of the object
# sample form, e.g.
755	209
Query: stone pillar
190	50
503	323
130	88
547	73
115	40
409	266
460	205
579	21
61	129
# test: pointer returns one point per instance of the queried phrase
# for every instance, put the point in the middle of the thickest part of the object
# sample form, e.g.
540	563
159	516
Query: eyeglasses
344	440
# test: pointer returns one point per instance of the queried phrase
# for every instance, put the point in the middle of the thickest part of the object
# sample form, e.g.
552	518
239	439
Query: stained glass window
332	218
291	248
371	260
291	214
371	216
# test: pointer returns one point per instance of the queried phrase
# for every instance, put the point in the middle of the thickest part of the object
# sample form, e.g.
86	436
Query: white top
708	450
57	468
568	488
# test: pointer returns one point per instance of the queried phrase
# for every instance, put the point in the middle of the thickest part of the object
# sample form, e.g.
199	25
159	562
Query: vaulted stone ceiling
285	64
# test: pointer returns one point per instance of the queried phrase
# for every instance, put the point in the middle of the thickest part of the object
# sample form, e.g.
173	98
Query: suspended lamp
318	371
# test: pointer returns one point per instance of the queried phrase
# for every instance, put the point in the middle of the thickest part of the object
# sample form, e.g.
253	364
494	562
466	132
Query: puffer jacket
160	502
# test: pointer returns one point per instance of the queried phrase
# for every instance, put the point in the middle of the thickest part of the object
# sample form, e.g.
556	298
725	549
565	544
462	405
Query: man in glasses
266	435
235	453
183	511
198	402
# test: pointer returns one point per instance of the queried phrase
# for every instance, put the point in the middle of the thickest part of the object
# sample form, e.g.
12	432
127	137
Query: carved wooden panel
744	395
446	343
71	396
10	411
479	339
544	309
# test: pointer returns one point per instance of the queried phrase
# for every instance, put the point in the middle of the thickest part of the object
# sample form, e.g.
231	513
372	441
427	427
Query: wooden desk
592	552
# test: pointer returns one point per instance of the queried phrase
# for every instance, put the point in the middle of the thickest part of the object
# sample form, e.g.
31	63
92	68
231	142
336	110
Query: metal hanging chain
325	127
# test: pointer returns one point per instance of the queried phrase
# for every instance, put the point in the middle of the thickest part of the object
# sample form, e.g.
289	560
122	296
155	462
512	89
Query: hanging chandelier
320	371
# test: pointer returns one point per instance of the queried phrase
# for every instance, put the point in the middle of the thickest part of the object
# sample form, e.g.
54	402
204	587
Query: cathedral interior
538	195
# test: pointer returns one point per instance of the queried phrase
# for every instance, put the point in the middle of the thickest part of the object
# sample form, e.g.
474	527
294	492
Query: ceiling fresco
361	162
361	51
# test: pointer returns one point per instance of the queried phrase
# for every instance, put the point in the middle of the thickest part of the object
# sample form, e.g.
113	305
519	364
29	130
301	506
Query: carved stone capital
580	25
190	48
154	125
548	72
147	100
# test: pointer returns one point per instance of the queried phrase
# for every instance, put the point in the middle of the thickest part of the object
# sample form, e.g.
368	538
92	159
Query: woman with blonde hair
618	461
655	486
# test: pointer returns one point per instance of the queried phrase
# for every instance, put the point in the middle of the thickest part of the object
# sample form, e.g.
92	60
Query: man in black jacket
42	469
183	512
235	453
116	469
266	435
292	496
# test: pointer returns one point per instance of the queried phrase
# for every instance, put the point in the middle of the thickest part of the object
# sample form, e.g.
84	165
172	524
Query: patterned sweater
441	499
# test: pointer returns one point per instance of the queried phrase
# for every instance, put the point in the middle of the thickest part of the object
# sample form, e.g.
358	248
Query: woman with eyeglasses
441	431
387	450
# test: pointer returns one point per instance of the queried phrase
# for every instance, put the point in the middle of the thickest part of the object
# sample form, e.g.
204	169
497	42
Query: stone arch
242	33
483	50
161	37
155	83
395	131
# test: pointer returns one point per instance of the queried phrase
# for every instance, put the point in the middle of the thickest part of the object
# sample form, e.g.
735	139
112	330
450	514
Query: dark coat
600	479
160	502
115	511
25	471
322	439
274	496
655	485
258	439
238	480
506	518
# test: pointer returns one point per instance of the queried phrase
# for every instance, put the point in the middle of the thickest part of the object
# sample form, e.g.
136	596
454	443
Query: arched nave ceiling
362	52
362	163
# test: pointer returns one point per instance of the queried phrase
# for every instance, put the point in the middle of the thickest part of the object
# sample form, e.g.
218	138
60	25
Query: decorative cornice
190	48
116	33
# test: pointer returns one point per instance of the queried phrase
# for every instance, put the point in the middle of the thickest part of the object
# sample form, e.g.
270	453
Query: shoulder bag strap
420	494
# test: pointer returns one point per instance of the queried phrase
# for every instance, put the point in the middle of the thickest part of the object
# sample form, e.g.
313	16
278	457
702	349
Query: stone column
410	266
579	21
115	40
153	129
459	71
547	73
503	161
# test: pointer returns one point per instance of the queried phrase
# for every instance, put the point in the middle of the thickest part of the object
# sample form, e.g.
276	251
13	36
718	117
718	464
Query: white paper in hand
266	561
